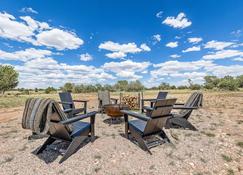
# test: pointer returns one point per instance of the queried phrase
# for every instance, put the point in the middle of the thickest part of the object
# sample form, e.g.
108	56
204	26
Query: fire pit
113	110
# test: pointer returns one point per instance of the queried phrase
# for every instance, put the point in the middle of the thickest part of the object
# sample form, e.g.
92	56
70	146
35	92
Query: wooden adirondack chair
180	119
105	99
57	124
150	124
68	103
161	95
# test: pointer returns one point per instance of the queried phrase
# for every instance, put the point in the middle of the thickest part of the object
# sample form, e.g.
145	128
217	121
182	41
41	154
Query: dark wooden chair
180	119
68	129
161	95
150	124
105	99
68	103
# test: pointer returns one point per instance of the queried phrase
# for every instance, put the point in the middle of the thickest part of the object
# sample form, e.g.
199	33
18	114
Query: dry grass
216	148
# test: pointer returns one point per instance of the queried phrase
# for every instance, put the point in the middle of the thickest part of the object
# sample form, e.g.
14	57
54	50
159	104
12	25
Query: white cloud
175	56
10	28
145	47
86	57
178	72
192	49
173	70
38	33
59	39
180	21
127	69
25	55
116	47
217	45
238	59
121	50
221	71
28	10
115	55
222	54
159	14
194	40
35	25
236	33
156	38
43	72
172	44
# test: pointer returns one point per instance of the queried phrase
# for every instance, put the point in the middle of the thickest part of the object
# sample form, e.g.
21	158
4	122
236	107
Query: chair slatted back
66	97
43	116
162	95
104	97
195	100
162	110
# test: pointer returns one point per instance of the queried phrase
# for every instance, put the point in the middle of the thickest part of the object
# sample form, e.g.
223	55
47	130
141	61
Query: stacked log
131	101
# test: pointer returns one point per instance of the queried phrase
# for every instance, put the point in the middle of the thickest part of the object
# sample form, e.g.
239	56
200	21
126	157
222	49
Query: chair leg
126	125
163	135
140	141
49	141
181	122
72	148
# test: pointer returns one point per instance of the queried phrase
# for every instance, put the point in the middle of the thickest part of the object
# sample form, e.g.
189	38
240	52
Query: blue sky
53	42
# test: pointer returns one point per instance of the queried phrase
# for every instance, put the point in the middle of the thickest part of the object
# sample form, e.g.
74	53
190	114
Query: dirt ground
216	148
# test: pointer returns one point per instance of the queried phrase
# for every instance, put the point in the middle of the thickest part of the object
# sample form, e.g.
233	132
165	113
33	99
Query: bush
49	90
164	86
135	86
68	87
195	87
211	82
228	84
182	87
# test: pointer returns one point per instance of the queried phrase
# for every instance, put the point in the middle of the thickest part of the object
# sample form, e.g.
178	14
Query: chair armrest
149	99
67	103
77	118
136	115
183	107
148	108
114	100
67	110
83	101
179	104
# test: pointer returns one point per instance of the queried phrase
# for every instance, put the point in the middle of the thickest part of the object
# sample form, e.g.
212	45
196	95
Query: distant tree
68	87
36	89
8	78
99	87
193	86
240	81
164	86
135	86
211	82
49	90
182	87
173	87
228	83
109	88
121	85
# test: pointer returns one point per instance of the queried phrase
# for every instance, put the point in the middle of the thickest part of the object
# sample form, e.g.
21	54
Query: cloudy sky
53	42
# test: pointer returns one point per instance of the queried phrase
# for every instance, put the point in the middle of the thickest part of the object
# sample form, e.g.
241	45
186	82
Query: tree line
9	80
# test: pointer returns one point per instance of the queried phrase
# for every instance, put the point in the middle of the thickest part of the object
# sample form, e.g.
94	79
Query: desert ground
216	148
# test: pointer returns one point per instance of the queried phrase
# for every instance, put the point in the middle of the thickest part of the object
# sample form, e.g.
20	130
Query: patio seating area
112	153
45	117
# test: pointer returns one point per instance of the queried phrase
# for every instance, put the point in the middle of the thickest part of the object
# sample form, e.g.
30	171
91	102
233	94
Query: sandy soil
211	150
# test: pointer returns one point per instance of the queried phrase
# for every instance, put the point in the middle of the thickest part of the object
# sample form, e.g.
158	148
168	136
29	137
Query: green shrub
228	84
49	90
